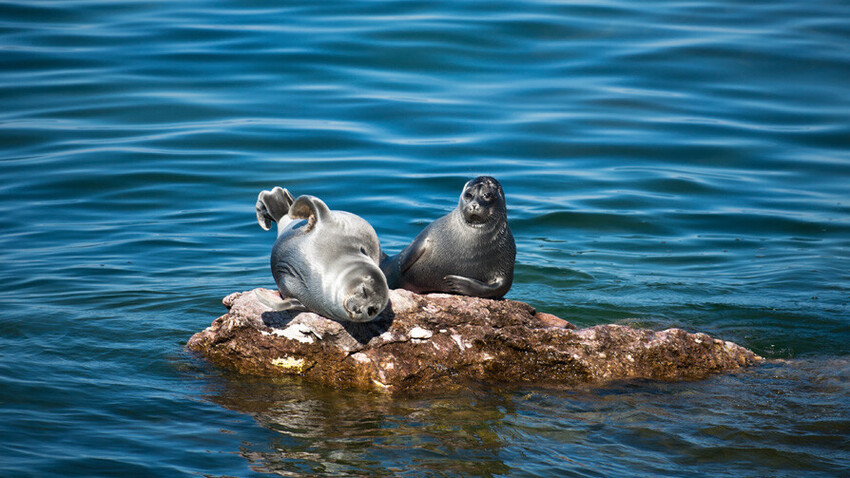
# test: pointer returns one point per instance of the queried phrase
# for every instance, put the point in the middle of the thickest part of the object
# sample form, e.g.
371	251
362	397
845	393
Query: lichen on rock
441	342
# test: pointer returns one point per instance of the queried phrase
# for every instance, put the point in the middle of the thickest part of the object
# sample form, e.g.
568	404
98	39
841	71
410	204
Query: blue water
666	164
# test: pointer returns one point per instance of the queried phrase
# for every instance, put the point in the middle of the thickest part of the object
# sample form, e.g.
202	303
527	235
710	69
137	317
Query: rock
553	321
440	342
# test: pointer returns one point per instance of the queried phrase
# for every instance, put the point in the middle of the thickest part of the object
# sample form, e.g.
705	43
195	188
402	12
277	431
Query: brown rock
439	342
553	321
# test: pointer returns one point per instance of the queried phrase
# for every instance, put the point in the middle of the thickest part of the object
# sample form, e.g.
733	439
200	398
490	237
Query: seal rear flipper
272	205
476	288
310	208
274	302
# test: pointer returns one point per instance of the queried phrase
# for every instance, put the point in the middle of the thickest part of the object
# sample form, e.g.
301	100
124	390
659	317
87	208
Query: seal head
482	201
353	279
366	293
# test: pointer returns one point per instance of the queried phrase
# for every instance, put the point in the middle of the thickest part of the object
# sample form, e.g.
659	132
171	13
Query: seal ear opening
310	208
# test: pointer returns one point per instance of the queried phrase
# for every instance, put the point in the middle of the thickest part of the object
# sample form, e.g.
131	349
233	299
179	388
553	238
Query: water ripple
666	164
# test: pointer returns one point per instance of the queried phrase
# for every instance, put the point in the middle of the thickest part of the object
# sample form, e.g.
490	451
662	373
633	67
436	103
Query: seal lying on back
323	261
469	251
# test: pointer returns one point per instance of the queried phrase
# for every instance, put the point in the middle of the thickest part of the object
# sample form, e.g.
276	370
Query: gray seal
323	261
469	251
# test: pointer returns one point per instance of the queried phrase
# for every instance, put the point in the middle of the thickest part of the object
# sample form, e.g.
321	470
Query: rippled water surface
666	164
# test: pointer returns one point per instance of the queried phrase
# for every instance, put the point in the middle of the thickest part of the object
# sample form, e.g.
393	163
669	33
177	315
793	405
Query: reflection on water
320	431
785	415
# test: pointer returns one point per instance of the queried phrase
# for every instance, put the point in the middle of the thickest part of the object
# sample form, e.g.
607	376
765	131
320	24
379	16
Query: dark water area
666	164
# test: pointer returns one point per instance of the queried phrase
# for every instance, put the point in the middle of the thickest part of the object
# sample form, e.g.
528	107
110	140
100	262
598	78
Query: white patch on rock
458	341
360	357
300	332
431	309
420	334
316	333
461	344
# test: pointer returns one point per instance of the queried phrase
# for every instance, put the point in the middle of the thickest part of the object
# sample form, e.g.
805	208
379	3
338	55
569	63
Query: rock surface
439	342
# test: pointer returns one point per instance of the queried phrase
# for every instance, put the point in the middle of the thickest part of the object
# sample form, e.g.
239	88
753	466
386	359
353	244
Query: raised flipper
310	208
476	288
272	205
275	302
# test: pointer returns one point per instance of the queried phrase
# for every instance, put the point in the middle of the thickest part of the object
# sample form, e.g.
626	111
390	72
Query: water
666	164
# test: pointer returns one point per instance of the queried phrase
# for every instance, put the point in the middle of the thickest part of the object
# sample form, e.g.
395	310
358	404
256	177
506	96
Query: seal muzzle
367	296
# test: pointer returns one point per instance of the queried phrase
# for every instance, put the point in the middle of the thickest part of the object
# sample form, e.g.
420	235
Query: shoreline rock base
439	343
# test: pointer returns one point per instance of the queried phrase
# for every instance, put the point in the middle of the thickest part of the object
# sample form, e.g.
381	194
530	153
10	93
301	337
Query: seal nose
474	213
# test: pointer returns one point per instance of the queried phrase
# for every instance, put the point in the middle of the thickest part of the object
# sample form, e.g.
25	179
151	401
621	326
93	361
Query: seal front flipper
412	253
474	287
310	208
396	266
274	302
272	205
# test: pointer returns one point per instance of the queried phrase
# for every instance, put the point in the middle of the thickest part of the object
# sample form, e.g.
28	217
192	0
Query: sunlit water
666	164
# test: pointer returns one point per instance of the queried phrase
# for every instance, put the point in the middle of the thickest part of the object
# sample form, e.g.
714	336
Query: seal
469	251
323	261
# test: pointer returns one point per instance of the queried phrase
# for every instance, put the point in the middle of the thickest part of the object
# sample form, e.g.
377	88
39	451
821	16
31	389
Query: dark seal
469	251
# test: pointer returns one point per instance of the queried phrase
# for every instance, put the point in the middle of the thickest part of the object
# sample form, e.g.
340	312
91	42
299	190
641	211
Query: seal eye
487	196
467	195
363	251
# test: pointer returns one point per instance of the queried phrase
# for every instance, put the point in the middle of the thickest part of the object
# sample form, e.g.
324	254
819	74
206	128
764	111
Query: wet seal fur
323	261
469	251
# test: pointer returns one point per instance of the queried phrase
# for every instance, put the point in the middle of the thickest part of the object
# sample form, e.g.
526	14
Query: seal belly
450	254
